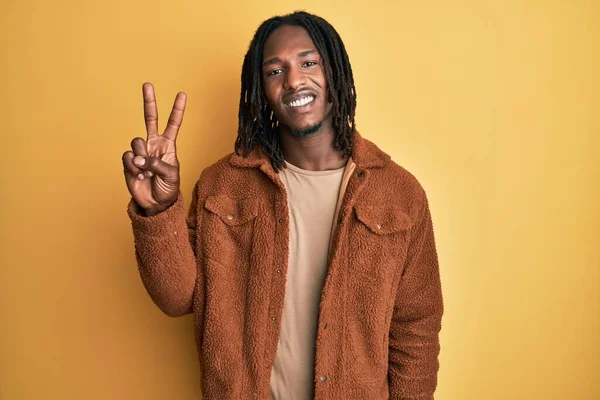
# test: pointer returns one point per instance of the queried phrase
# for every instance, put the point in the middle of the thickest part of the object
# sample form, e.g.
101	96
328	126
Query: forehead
287	38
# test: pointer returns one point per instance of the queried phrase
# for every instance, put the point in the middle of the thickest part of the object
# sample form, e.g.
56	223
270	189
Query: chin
307	130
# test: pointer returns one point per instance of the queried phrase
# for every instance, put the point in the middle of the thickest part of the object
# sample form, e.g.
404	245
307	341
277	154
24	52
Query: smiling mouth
301	102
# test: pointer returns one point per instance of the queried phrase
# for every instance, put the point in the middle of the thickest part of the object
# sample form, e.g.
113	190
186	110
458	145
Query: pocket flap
383	220
232	212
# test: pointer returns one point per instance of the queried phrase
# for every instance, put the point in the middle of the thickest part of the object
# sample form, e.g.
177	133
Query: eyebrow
276	60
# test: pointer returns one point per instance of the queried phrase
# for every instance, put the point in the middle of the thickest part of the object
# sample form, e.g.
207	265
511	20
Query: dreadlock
257	124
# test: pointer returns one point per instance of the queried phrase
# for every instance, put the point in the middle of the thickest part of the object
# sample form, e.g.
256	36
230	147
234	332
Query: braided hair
257	124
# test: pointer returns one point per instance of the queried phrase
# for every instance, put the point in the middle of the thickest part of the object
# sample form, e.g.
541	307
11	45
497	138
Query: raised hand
152	168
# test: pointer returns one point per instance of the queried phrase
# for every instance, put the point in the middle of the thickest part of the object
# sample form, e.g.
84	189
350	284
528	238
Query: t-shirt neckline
299	170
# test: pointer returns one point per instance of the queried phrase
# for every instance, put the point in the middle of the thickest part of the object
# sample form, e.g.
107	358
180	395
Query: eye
309	63
274	72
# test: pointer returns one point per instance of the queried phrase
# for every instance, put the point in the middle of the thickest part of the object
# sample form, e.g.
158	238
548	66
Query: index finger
176	117
150	110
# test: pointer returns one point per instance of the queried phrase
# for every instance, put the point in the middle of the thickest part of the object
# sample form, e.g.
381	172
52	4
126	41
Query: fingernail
139	161
140	176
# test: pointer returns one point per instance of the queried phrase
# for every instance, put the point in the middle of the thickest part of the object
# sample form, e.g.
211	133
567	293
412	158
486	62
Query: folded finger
160	168
129	166
139	147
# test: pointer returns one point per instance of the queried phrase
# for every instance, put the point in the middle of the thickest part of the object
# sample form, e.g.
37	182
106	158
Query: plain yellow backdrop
493	105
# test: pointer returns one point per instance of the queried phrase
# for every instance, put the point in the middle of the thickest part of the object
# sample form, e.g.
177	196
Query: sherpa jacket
381	304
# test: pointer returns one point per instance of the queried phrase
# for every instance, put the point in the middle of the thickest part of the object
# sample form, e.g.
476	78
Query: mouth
301	102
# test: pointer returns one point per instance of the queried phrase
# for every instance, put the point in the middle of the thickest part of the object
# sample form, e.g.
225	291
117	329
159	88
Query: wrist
150	212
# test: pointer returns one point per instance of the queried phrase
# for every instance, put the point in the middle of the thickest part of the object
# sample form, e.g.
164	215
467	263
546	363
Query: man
312	270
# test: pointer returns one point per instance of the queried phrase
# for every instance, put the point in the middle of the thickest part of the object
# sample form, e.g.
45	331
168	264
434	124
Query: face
294	81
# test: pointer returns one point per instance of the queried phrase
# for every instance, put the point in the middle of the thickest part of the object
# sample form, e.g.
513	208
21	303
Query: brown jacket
381	304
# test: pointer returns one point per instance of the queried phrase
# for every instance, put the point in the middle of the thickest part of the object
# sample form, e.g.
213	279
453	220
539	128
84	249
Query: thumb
158	167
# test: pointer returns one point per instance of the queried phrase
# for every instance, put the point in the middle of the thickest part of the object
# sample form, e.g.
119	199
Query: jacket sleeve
165	253
416	322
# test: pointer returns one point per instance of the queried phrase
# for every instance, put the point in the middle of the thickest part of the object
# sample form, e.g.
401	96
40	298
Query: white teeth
301	102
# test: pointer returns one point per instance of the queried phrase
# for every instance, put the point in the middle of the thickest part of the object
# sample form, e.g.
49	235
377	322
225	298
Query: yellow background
493	105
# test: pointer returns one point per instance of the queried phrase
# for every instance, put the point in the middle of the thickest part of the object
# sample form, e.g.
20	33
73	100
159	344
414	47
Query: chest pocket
232	212
228	230
382	220
379	239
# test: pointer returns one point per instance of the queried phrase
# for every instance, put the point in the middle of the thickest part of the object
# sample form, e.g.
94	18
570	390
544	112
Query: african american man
307	256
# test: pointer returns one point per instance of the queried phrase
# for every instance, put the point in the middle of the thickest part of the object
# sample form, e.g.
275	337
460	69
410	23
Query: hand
152	168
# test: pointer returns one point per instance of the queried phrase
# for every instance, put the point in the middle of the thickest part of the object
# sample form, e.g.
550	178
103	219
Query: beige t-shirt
312	199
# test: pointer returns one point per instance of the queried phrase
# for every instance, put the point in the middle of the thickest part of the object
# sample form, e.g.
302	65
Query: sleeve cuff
159	224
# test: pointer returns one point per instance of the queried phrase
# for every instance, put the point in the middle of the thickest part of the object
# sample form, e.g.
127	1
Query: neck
314	152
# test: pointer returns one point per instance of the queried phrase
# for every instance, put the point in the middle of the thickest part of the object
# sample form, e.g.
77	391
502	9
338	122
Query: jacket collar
365	155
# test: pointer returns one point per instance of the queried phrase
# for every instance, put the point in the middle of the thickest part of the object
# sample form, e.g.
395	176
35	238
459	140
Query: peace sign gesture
152	168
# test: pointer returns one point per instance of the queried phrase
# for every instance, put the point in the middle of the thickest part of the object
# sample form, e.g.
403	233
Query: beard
307	131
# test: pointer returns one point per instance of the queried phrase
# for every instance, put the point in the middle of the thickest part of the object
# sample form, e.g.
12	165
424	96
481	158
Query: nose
294	79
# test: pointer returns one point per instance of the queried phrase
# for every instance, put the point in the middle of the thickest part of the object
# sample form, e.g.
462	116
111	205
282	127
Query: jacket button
273	319
323	378
229	217
278	271
280	221
361	174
